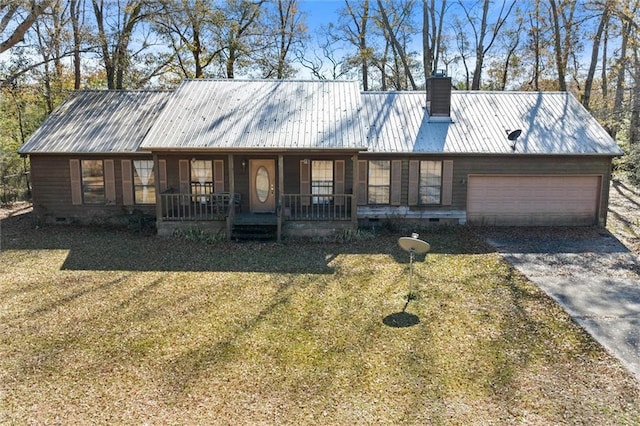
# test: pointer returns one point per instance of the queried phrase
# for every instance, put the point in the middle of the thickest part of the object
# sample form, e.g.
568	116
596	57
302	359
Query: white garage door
533	200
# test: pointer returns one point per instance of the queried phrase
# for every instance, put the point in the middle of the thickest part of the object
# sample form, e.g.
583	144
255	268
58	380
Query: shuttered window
430	182
321	181
379	181
93	191
144	182
201	177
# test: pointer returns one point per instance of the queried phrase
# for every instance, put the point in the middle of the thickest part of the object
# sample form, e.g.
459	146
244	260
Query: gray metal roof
551	123
290	115
260	114
98	121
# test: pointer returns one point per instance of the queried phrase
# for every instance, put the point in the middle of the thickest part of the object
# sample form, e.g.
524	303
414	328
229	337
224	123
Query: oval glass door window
262	184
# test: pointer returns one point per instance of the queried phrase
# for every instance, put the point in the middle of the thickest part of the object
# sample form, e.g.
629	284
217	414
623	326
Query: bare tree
325	62
354	28
15	9
398	47
432	26
115	28
188	26
604	18
284	30
485	33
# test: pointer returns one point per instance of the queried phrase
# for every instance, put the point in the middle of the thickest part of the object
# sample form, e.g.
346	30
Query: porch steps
254	232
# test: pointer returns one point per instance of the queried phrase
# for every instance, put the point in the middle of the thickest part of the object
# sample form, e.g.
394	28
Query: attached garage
533	200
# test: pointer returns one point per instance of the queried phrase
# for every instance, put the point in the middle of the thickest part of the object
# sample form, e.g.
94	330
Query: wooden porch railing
316	207
186	207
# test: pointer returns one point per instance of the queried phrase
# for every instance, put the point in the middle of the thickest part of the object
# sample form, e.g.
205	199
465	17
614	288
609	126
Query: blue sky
320	12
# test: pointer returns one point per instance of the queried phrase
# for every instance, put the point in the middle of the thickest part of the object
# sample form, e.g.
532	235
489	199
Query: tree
285	29
484	32
432	25
326	62
398	47
239	34
597	38
26	13
189	27
564	37
354	28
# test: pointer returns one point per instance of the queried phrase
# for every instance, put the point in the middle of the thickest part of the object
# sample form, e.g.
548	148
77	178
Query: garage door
533	200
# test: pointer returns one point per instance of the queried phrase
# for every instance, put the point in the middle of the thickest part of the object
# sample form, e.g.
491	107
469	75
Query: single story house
313	157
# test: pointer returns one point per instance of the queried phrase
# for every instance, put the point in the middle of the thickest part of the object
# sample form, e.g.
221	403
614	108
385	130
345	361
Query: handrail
189	207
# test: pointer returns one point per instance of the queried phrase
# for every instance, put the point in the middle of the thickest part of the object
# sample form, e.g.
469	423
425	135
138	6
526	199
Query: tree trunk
74	11
396	45
586	97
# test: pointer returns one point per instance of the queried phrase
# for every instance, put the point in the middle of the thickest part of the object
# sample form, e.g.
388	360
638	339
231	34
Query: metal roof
551	123
316	115
98	121
260	114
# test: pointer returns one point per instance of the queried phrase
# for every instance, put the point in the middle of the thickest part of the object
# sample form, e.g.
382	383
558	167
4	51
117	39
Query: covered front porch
250	195
295	215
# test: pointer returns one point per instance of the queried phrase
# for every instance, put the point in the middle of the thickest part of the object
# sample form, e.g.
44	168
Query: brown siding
463	166
52	198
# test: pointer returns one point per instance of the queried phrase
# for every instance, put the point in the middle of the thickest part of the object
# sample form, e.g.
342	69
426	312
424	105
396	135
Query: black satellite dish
512	136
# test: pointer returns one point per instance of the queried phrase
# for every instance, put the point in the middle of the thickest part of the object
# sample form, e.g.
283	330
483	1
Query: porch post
156	168
354	192
279	206
232	205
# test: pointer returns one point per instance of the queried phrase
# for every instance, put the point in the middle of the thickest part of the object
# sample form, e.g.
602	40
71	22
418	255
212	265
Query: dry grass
107	327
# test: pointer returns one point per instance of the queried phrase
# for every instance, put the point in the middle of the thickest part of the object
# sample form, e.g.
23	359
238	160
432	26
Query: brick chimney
439	95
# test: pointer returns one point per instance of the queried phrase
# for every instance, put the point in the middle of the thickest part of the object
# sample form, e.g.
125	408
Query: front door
262	184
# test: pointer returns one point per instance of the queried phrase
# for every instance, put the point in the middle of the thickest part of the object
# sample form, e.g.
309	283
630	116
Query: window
144	182
379	181
430	186
92	182
321	181
202	177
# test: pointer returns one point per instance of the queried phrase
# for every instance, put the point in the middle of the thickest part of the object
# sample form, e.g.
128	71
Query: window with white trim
144	182
430	183
93	182
379	181
321	181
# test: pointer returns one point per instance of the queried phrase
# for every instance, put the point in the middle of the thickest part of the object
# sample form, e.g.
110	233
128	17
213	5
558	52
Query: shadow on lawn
113	249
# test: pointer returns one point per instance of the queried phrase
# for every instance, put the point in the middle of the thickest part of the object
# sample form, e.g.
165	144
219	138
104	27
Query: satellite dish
512	136
413	245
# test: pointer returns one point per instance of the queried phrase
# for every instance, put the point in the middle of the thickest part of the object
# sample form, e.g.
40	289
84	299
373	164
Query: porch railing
316	207
185	207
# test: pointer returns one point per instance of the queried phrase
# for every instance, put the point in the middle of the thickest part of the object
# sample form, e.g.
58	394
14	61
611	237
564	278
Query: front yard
109	327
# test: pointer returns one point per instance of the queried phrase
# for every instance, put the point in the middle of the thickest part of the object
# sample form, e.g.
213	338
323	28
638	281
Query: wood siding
52	189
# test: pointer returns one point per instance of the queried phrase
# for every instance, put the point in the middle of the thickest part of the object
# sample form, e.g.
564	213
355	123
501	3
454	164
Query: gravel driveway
592	272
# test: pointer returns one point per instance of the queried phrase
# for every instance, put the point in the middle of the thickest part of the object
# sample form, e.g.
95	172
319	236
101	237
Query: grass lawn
108	327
